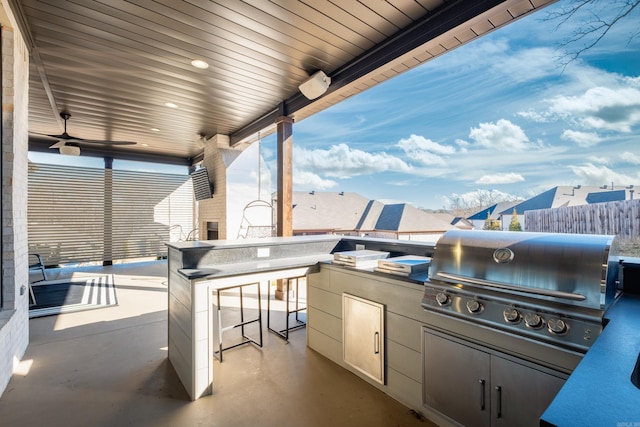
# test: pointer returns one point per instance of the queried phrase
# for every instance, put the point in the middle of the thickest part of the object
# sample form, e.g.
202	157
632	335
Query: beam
36	145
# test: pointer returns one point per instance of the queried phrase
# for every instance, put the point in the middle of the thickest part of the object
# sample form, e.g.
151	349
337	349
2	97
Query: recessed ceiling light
145	145
199	63
170	105
155	129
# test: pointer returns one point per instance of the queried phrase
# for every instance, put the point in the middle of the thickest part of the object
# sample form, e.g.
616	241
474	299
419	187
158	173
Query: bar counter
199	269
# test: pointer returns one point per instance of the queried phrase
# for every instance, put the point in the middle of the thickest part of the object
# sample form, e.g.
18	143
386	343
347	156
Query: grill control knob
533	320
557	326
474	306
443	299
511	315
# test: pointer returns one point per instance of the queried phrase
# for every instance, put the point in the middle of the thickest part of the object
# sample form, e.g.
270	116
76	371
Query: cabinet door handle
481	382
499	401
376	343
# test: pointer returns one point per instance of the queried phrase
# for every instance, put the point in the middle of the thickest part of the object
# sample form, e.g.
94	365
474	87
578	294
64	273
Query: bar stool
220	329
284	333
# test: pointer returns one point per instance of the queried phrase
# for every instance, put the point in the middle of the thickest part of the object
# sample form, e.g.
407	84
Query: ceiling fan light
69	150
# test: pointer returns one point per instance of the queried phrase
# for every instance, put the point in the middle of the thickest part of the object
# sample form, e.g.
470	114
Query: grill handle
481	282
481	382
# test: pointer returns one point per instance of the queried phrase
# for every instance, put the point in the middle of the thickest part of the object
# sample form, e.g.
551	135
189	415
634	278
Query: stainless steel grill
553	288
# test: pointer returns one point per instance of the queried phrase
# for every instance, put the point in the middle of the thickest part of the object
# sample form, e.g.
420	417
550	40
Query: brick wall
14	319
214	209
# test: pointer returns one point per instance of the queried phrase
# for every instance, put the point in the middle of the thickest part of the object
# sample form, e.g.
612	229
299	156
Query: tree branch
593	29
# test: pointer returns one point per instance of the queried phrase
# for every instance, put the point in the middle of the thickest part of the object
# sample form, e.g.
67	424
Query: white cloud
583	139
416	142
615	109
629	157
539	117
600	175
500	178
599	159
425	151
341	161
517	64
502	135
311	181
427	159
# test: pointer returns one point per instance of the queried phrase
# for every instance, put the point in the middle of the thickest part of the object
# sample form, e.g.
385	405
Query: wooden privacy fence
621	218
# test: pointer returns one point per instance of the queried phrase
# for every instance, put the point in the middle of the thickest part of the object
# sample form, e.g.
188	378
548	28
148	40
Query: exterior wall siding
14	318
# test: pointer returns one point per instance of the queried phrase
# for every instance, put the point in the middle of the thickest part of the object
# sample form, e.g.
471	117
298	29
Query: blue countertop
599	392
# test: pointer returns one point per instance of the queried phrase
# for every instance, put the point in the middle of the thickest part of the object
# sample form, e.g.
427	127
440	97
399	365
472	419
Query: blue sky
499	114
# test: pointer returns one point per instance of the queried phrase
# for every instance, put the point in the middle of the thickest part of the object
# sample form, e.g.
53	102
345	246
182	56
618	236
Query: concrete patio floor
109	367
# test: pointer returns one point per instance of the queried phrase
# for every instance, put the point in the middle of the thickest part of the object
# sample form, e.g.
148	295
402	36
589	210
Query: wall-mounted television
202	187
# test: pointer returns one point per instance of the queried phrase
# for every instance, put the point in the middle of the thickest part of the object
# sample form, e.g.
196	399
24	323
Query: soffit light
199	63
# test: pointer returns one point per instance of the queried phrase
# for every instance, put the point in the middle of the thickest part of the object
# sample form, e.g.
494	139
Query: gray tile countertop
254	266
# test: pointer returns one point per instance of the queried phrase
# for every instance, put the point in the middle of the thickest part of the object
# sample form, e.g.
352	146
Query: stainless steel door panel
456	381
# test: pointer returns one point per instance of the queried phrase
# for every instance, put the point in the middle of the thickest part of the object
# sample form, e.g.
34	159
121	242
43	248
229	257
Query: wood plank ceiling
115	64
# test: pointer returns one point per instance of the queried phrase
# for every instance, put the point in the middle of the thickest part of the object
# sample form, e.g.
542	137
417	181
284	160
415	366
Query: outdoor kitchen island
386	306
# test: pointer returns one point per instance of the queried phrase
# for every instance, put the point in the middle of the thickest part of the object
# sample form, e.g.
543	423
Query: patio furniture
37	265
284	333
218	328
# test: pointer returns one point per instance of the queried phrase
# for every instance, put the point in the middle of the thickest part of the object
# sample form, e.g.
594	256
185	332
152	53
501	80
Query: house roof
606	196
331	211
567	195
319	210
462	223
493	211
390	217
483	214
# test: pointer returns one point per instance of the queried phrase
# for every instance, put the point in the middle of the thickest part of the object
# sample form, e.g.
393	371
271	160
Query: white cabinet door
363	336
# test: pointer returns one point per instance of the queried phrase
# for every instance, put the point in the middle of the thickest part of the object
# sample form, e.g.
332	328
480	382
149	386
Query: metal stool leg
245	339
284	333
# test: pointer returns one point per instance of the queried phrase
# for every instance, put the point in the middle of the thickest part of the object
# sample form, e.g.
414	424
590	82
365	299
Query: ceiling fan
70	145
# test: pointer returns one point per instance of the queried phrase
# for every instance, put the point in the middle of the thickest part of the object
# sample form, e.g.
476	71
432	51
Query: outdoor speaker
315	85
202	188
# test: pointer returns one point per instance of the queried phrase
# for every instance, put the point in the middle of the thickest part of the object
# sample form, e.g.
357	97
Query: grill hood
575	269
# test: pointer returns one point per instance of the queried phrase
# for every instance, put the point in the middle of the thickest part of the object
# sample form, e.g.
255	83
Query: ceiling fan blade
66	138
45	135
58	144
